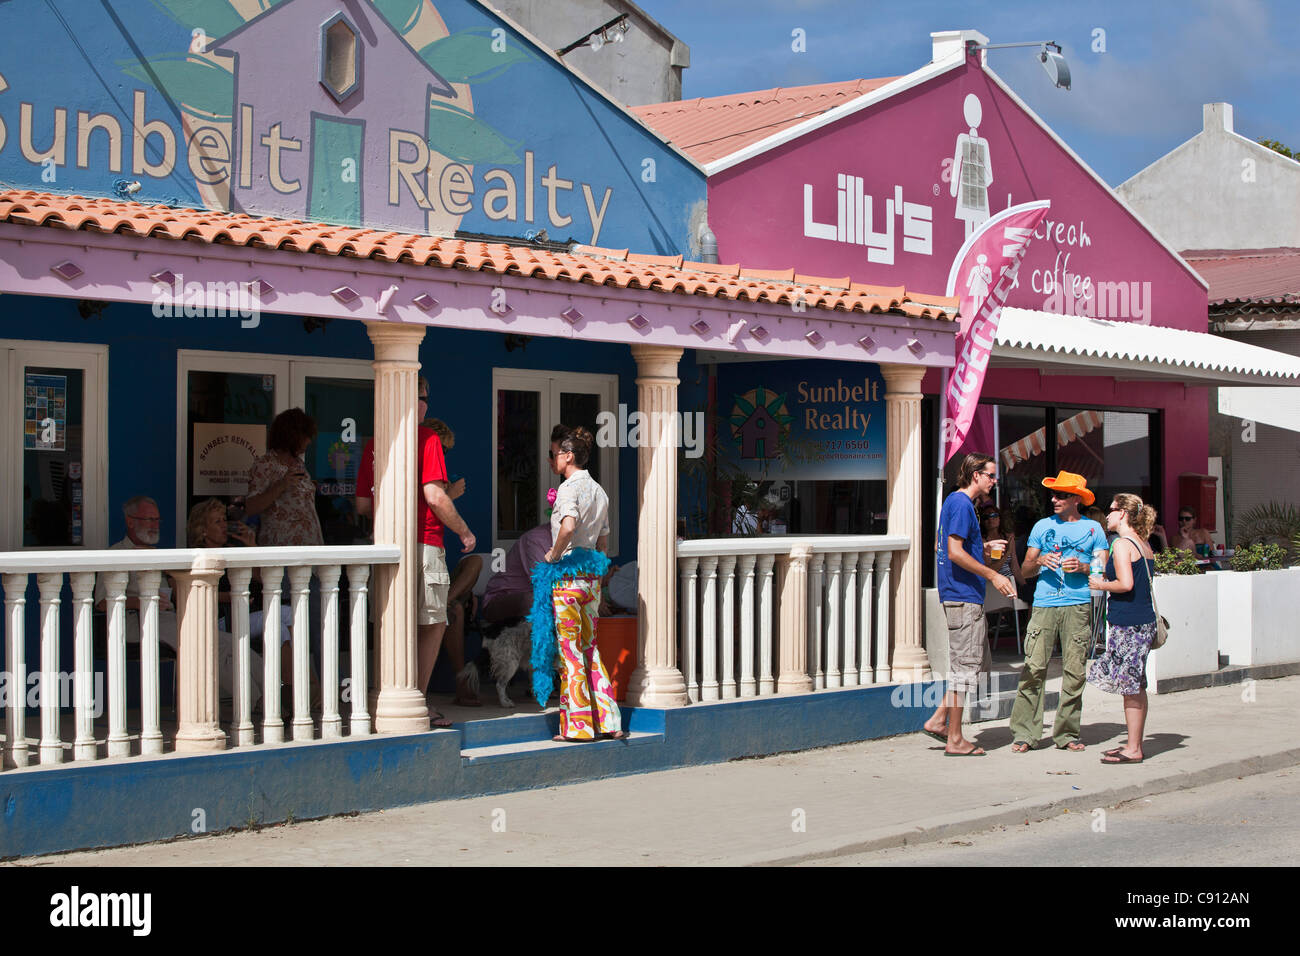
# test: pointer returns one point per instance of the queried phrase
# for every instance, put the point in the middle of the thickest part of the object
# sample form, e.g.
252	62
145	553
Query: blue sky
1129	105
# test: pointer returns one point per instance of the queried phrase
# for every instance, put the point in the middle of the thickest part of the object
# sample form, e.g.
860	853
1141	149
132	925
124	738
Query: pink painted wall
904	148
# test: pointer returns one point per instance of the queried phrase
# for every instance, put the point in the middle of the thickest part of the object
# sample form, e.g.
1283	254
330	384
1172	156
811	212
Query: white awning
1078	345
1279	407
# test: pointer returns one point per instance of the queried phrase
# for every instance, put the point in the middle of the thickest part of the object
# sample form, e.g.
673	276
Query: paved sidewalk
848	799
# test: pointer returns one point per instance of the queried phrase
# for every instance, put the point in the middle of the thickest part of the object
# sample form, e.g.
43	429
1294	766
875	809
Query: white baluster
748	686
766	684
240	578
867	586
83	667
119	742
16	657
850	571
151	738
816	615
272	724
300	589
50	585
687	594
833	676
358	719
883	561
727	640
331	724
709	620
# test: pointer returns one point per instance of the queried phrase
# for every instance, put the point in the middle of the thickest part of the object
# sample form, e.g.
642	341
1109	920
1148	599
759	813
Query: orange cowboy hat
1071	484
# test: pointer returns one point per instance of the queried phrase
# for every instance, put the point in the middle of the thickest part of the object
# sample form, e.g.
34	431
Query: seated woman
208	528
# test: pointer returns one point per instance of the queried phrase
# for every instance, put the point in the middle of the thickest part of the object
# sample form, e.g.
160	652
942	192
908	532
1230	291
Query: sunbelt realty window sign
803	420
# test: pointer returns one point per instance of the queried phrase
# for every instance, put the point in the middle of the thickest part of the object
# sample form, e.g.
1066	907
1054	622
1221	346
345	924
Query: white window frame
291	373
92	360
548	384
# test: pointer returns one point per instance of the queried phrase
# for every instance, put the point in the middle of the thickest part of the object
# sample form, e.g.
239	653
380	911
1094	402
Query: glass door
340	398
227	403
54	405
527	405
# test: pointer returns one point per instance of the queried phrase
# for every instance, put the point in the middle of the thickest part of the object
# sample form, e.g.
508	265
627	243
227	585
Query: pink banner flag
983	275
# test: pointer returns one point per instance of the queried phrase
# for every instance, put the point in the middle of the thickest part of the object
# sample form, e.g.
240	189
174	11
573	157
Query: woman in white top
566	595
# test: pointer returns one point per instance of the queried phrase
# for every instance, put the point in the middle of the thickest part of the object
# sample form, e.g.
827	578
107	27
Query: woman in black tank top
1130	619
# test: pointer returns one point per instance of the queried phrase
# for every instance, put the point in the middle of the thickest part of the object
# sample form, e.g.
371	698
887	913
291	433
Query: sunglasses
990	475
1061	496
1184	517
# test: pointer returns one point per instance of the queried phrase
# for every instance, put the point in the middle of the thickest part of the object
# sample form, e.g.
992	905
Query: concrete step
522	735
541	749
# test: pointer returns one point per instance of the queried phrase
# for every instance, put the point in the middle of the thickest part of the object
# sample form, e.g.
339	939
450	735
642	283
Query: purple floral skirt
1122	669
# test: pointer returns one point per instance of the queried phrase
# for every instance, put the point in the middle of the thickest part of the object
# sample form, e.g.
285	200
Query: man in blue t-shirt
1061	548
962	573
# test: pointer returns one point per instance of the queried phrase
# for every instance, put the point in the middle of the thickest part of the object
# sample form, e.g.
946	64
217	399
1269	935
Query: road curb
943	827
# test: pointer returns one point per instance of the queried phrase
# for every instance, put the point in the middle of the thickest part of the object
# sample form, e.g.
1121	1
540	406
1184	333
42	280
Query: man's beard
148	536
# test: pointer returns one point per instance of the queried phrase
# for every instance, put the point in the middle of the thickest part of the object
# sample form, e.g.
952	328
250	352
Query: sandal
1120	758
942	738
1074	746
440	720
973	752
1020	747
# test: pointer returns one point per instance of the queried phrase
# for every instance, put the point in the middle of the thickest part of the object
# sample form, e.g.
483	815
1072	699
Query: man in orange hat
1060	549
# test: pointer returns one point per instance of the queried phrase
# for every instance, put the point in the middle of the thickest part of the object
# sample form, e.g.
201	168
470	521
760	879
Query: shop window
527	404
54	406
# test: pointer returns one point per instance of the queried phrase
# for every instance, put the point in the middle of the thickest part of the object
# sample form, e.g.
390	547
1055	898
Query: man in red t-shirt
437	511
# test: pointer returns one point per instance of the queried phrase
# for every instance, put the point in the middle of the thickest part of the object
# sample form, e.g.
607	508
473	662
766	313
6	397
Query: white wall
1219	190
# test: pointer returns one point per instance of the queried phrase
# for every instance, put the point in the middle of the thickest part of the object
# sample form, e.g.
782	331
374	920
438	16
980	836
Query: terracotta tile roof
586	264
711	128
1249	276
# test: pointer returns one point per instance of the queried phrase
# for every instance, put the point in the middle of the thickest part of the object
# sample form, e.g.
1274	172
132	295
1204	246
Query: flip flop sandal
942	738
1019	744
440	720
977	752
1120	758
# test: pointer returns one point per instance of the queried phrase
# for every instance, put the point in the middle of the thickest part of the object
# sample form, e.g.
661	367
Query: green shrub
1259	557
1175	561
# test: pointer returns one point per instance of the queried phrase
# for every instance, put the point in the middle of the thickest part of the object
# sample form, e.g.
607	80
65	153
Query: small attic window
340	54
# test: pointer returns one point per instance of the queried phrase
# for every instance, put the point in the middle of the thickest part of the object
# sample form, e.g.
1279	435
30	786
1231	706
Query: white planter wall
1191	605
1259	616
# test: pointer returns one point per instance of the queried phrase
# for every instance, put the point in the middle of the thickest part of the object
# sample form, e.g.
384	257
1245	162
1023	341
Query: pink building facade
885	187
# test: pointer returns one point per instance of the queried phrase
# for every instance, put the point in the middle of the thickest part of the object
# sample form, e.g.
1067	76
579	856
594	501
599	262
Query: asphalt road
1249	821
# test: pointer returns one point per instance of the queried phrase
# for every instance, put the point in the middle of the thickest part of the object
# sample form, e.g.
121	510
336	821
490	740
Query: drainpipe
708	243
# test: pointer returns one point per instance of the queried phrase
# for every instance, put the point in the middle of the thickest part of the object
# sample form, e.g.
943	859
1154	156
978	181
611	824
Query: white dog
510	651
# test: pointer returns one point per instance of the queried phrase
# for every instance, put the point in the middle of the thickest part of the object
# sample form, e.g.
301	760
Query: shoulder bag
1162	625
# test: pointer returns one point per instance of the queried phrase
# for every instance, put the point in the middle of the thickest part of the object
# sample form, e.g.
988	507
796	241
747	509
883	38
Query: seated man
142	532
1190	535
509	593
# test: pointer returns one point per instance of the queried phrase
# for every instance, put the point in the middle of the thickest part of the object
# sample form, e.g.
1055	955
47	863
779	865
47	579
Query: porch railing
197	575
798	614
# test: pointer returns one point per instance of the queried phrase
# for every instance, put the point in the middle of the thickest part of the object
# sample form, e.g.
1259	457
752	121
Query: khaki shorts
435	582
968	646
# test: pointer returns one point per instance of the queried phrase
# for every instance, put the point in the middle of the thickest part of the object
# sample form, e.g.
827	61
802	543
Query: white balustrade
130	584
730	607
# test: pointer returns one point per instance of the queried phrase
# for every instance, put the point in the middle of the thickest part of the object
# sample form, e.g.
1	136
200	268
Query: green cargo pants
1073	625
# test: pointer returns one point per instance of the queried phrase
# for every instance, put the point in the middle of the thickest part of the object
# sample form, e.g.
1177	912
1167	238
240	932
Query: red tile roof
586	264
1254	276
710	128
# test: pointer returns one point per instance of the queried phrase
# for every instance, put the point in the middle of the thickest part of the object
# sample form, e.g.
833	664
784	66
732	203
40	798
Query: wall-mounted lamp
1049	55
611	32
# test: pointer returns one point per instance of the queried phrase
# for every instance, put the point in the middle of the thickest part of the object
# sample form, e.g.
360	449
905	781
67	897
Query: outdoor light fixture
571	315
611	32
700	327
425	301
638	321
814	337
1049	55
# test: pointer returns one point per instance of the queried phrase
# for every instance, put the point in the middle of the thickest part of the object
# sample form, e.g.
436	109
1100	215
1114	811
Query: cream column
792	575
903	443
199	690
657	682
401	708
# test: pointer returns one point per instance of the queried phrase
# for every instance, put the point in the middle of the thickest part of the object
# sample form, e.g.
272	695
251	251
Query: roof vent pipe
708	244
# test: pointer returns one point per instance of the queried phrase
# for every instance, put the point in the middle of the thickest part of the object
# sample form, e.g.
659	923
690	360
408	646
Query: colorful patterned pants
587	705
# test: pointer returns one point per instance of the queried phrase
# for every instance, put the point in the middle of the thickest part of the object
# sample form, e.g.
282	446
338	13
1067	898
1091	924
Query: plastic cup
996	552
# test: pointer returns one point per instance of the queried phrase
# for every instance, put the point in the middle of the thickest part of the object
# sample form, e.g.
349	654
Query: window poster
45	412
803	420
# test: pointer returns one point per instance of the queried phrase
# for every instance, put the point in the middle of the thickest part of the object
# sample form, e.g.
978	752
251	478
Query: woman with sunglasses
1130	619
1189	536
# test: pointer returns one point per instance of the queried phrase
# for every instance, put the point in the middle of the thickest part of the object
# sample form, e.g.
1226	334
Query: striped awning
1035	443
